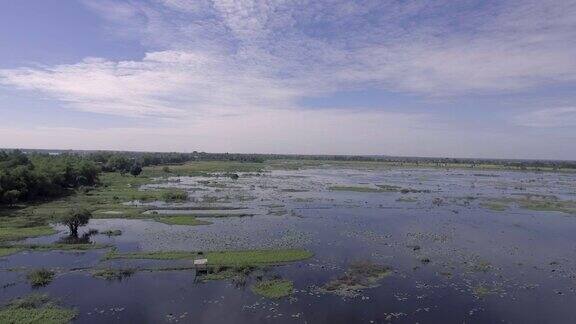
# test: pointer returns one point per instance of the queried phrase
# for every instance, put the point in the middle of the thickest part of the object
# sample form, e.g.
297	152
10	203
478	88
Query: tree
11	197
75	218
119	163
135	170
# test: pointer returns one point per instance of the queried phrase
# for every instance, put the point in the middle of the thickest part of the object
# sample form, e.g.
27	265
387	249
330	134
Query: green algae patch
224	258
273	289
35	309
181	220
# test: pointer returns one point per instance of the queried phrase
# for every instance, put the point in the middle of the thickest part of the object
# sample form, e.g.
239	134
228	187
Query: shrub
40	278
175	195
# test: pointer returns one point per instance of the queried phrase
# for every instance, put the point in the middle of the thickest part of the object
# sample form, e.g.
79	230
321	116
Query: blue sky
463	78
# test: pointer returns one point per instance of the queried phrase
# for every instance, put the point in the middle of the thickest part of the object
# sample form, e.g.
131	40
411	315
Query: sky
459	78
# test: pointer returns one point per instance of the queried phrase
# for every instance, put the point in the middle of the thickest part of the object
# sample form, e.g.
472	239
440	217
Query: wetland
298	242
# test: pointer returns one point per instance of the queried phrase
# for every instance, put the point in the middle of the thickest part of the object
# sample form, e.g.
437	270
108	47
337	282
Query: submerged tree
75	218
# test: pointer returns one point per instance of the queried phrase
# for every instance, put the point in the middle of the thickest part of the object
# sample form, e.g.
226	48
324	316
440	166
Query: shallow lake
453	260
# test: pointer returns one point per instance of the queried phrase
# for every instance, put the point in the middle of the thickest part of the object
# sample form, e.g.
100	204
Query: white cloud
243	66
548	118
168	83
228	56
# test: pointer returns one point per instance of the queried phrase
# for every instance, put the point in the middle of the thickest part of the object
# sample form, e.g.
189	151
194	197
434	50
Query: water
515	266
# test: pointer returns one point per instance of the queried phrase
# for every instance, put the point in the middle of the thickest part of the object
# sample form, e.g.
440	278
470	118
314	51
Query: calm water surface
513	266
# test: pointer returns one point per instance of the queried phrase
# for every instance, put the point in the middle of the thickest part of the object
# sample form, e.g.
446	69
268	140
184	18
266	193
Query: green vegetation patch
407	199
8	250
19	233
181	220
223	273
110	233
40	277
568	207
57	247
533	202
111	274
224	258
273	289
360	276
174	195
495	205
357	189
482	291
202	168
35	309
378	188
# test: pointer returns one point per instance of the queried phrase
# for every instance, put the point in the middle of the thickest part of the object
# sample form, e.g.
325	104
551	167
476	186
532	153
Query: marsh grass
40	278
356	189
181	220
35	309
174	195
202	168
57	247
111	274
245	258
479	266
273	289
111	233
19	233
360	276
9	250
225	273
534	203
495	205
6	250
481	291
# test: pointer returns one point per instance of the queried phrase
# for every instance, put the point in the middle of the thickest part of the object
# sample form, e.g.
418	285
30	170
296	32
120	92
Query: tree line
41	174
37	174
26	177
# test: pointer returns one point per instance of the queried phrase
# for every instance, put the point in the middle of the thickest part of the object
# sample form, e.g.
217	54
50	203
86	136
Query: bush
175	195
135	170
40	278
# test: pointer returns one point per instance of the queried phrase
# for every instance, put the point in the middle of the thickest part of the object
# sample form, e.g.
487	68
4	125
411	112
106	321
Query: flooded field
365	245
